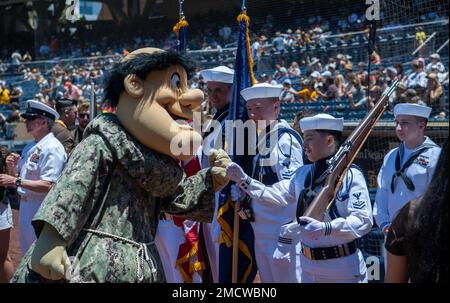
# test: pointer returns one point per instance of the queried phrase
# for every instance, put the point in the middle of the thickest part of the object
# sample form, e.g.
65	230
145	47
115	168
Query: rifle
339	164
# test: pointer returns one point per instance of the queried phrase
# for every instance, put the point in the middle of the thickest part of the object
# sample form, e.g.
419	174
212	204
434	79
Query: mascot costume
98	222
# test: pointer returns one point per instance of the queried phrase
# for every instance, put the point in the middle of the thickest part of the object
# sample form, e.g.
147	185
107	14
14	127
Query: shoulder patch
357	202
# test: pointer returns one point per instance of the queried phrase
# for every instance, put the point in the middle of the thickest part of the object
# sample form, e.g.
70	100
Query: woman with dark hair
417	242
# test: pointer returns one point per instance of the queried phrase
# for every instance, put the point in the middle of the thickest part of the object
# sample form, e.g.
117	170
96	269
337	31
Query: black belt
325	253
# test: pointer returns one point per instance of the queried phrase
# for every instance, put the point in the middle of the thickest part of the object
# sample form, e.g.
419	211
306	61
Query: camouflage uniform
114	185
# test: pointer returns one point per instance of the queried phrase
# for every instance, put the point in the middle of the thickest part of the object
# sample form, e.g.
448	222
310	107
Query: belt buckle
307	252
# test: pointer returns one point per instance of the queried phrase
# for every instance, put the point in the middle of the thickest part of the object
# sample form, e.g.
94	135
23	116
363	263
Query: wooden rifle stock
341	161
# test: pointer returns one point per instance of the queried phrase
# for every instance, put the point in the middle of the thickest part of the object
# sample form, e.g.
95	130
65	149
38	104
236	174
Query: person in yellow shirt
307	93
420	36
4	94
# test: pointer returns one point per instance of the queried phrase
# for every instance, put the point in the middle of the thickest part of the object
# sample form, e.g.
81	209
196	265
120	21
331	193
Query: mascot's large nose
192	98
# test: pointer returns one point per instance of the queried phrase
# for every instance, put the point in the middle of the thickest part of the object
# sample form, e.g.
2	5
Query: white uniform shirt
352	206
43	160
387	204
268	218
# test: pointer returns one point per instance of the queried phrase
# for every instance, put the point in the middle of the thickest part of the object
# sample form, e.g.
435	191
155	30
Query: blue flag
180	30
243	78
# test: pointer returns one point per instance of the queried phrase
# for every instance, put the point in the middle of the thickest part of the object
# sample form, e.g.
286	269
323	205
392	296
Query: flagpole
237	205
234	273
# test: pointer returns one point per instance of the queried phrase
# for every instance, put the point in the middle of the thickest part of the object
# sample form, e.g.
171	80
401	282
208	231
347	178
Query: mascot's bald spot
149	90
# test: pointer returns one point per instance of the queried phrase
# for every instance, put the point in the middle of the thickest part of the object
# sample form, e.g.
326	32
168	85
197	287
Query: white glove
236	173
236	193
313	229
290	230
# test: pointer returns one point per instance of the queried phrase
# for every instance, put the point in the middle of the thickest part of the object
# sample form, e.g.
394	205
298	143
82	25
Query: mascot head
149	90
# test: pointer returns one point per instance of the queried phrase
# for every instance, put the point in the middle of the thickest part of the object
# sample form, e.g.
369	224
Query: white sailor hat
322	122
412	109
218	74
261	90
36	108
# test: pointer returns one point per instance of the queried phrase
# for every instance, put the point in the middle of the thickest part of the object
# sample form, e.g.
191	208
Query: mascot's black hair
141	66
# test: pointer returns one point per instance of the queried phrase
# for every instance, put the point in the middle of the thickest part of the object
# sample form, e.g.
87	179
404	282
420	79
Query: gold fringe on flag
243	17
179	25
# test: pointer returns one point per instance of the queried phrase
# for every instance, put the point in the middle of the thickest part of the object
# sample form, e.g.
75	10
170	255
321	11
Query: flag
243	78
180	30
190	257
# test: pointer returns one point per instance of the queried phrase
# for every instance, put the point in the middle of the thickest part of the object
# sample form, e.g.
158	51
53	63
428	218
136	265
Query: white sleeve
286	168
281	193
52	165
359	220
380	209
433	162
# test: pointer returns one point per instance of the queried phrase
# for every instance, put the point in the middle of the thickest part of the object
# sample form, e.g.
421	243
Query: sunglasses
32	118
83	115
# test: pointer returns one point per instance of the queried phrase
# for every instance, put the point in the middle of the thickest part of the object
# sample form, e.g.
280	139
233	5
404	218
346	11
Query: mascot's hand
49	258
219	158
219	176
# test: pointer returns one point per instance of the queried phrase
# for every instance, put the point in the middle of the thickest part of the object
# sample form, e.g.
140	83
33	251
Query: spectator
408	95
14	115
62	128
434	94
15	94
83	120
329	90
362	73
4	94
339	82
278	43
281	75
6	223
308	93
435	63
298	116
294	70
287	95
400	74
72	92
417	79
417	242
357	95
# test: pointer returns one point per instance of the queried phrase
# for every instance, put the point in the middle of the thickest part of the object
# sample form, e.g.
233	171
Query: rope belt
142	253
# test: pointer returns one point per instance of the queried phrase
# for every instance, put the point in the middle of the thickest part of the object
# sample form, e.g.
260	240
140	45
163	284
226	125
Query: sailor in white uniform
219	82
279	155
407	170
39	167
329	250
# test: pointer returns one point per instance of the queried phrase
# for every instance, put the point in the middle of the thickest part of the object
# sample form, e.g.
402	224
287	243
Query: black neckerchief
314	178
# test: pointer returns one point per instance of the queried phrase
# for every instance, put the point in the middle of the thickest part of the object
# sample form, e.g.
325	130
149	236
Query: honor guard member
38	168
328	249
219	83
278	157
407	169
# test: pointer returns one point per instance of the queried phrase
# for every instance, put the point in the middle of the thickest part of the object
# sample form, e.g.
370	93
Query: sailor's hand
236	193
236	173
312	229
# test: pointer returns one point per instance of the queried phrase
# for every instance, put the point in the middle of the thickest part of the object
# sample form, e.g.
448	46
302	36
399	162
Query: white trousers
286	263
211	234
26	231
349	269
